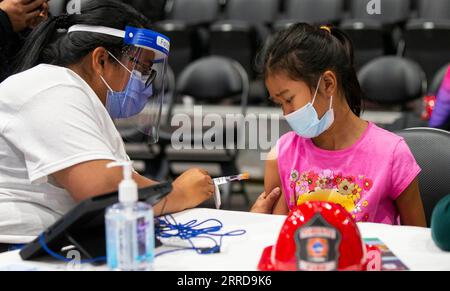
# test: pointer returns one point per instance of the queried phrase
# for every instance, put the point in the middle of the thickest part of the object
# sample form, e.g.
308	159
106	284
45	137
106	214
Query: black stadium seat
427	37
392	11
252	11
368	40
312	11
194	11
237	40
242	31
392	80
154	10
378	34
434	9
428	43
186	27
430	149
182	37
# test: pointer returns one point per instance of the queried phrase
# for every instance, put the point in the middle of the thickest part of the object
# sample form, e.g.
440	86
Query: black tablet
84	226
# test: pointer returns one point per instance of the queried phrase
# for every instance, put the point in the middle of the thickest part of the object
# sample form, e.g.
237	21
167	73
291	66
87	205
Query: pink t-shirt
368	176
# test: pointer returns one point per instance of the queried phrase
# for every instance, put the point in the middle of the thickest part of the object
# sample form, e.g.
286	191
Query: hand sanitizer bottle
129	227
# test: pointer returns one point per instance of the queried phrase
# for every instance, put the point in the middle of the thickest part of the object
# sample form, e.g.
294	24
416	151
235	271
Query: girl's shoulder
289	142
290	136
383	137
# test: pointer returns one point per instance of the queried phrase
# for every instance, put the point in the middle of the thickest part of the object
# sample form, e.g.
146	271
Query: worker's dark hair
306	51
50	43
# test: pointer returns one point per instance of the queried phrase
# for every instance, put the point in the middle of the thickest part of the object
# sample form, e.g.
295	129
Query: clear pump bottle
129	227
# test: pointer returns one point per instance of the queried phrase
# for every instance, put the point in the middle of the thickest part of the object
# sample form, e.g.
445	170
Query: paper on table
217	198
220	181
390	262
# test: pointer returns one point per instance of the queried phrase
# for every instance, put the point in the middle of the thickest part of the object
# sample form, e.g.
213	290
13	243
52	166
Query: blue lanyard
168	227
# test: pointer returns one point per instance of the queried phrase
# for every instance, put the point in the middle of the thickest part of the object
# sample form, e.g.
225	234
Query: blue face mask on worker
132	100
305	121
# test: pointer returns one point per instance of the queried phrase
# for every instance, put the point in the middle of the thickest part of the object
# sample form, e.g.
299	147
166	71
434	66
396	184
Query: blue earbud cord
168	227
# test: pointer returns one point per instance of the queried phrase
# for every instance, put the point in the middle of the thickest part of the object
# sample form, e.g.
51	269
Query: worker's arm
93	178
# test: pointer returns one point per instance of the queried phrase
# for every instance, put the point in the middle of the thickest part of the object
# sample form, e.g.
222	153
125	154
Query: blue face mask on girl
132	100
305	121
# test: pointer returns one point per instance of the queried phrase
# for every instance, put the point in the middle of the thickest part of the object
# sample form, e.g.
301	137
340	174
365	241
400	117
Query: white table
412	245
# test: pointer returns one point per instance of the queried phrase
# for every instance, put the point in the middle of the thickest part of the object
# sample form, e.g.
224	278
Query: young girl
332	154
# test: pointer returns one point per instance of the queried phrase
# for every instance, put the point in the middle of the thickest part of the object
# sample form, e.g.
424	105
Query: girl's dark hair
49	43
305	52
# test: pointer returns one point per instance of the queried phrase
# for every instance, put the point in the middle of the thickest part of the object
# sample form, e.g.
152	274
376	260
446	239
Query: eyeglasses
146	70
148	73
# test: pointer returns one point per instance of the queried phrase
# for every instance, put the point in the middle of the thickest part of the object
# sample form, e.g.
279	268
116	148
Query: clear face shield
136	103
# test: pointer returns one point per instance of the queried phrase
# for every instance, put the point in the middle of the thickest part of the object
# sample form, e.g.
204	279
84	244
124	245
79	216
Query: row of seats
388	80
197	29
270	11
416	29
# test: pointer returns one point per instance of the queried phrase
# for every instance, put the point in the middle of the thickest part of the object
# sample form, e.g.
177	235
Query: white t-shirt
50	119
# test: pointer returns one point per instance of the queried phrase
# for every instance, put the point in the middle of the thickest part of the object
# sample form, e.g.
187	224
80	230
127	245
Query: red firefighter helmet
318	236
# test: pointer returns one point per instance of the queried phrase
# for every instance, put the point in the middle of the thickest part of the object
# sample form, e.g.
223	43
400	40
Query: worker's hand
22	13
192	188
265	202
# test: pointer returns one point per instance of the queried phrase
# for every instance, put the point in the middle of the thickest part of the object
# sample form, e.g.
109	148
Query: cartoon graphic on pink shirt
346	190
